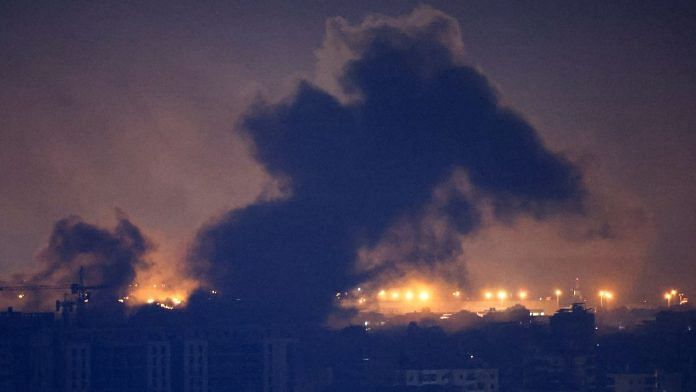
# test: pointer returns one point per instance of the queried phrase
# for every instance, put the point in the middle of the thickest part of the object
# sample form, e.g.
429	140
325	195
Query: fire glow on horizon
161	294
413	295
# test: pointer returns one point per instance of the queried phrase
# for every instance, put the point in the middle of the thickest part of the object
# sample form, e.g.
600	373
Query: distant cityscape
347	196
210	345
383	304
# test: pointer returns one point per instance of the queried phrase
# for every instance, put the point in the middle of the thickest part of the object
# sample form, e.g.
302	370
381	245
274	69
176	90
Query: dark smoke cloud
356	166
109	258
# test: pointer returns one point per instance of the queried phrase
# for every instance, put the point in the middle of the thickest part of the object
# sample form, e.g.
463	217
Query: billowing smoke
109	259
118	265
382	143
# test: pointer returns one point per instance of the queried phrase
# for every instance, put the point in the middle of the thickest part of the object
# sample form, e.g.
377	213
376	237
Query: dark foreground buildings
207	350
156	352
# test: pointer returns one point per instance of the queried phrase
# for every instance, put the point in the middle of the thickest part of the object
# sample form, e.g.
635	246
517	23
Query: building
195	369
566	360
77	367
154	352
27	354
278	368
574	327
469	380
645	382
159	366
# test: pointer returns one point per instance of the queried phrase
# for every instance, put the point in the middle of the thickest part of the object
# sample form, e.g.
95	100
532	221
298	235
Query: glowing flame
164	279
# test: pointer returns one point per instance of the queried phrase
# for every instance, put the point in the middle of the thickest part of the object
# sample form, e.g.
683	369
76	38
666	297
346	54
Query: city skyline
157	125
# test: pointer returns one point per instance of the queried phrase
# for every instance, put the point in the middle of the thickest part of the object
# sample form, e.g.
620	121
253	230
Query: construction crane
79	289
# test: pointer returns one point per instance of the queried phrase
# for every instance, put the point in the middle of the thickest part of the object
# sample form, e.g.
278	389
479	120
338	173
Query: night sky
293	149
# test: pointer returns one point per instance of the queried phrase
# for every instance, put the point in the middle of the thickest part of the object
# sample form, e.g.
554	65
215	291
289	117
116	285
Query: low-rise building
468	380
644	382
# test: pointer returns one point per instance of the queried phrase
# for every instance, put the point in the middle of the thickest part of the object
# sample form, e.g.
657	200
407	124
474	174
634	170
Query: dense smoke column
354	168
109	258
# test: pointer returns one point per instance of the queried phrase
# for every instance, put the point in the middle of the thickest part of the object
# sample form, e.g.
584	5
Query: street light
604	296
558	297
522	295
668	297
501	296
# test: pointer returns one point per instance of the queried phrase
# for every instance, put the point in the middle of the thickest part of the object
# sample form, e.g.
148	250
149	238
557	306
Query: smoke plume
399	116
118	265
109	259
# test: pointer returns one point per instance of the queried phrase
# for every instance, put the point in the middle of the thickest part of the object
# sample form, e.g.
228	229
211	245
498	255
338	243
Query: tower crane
79	289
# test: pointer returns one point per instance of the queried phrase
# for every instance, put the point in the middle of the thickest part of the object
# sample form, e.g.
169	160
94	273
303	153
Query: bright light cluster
418	294
673	293
408	295
606	294
503	295
415	294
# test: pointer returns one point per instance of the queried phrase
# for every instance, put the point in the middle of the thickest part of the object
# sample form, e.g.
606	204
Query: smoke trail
409	114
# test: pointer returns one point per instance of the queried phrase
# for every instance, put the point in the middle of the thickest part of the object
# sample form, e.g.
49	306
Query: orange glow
606	294
438	297
403	297
140	294
415	294
164	279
